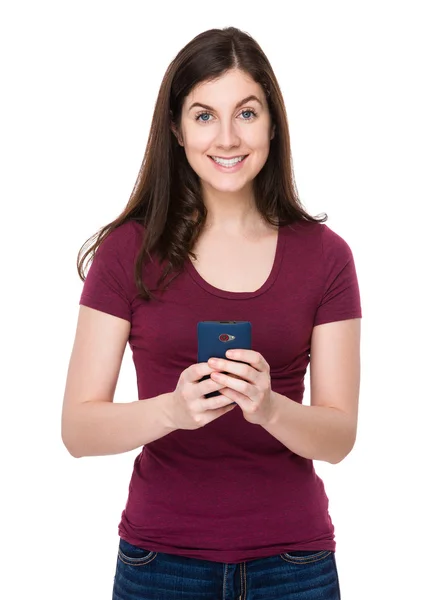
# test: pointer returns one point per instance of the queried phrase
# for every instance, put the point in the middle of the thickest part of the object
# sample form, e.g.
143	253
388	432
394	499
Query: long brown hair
167	196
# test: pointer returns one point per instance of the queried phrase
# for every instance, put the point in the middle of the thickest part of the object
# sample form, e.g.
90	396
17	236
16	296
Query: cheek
198	139
258	139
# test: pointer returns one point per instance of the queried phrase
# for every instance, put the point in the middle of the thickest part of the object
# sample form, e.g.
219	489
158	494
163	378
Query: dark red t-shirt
229	491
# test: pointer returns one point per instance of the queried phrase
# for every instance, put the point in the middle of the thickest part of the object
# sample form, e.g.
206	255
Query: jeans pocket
305	557
133	555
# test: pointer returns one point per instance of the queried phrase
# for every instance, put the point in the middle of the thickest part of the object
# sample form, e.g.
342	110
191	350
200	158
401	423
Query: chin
230	188
228	183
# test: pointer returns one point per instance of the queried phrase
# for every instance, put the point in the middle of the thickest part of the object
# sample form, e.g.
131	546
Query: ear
176	134
272	132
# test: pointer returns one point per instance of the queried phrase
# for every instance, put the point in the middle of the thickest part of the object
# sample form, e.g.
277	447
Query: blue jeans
300	575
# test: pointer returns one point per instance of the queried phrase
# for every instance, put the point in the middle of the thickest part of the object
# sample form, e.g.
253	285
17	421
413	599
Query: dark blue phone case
216	337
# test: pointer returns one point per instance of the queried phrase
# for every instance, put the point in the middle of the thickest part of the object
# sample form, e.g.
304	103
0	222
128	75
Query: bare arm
92	424
326	430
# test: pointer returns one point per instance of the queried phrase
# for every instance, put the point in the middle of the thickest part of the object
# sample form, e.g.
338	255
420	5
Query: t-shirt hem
231	556
335	318
103	307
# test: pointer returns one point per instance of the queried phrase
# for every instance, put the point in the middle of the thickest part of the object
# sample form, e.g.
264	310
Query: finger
240	385
198	371
236	397
216	402
234	368
207	386
253	358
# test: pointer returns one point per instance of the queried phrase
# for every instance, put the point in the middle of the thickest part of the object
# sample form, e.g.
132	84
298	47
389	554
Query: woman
224	501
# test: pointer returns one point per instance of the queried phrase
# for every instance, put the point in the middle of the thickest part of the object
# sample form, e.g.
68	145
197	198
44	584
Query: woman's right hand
188	409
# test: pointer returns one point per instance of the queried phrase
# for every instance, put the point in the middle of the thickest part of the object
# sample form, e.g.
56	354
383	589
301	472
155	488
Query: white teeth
228	163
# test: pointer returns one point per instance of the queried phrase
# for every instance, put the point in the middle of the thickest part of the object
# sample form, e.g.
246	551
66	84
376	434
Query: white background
79	82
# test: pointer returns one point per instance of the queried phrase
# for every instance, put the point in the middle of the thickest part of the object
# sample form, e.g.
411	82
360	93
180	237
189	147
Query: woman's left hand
251	388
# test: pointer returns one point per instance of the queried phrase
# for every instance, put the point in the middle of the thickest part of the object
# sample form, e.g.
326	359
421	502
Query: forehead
227	89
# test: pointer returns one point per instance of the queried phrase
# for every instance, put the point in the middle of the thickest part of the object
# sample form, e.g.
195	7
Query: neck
231	212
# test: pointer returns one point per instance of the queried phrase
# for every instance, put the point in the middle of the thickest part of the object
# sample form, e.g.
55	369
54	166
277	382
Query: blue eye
248	112
199	117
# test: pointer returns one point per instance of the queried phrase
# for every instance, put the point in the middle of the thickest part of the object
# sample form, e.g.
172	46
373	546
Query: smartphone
216	337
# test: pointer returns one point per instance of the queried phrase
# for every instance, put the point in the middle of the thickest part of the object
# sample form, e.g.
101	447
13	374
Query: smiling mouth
228	162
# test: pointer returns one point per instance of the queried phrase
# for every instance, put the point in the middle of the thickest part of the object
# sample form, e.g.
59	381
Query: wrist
167	410
275	406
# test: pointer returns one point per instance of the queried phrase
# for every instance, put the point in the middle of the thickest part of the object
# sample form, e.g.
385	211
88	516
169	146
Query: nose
228	135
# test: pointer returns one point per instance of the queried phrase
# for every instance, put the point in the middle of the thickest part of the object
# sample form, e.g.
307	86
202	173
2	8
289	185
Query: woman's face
223	122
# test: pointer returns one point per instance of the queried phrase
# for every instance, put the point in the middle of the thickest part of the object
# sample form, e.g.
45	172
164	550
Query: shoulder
333	243
129	234
320	237
124	241
112	268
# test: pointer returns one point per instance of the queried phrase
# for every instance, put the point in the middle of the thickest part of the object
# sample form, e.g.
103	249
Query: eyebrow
241	103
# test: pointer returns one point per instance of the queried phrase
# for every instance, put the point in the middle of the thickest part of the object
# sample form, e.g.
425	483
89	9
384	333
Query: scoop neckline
242	295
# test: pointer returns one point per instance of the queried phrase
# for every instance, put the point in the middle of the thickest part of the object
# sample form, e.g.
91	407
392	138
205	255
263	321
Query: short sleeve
340	295
107	285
